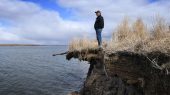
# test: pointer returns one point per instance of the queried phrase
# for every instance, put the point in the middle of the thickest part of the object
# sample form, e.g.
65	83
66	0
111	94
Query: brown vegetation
135	37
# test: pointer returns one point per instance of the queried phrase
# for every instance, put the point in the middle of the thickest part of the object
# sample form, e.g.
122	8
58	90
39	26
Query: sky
57	22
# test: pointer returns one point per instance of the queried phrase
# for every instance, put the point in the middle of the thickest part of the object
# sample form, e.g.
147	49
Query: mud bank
124	73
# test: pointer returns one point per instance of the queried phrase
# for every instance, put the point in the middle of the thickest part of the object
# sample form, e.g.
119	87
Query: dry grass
135	37
79	44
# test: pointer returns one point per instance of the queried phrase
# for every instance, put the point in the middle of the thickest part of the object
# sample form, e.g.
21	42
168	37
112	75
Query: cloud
28	22
7	36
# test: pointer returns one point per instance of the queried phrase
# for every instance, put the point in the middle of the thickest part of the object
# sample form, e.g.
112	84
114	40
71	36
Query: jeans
98	36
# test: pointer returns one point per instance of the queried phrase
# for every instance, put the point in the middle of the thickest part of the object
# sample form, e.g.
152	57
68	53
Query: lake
32	70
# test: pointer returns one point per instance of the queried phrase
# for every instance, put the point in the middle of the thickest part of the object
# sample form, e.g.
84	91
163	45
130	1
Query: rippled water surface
32	70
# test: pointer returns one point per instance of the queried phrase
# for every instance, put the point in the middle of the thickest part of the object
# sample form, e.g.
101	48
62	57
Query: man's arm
101	22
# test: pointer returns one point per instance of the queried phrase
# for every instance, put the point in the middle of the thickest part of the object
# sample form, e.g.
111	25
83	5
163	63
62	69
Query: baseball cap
97	11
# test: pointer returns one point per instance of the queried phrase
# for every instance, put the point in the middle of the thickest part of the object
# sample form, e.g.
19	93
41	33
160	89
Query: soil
124	73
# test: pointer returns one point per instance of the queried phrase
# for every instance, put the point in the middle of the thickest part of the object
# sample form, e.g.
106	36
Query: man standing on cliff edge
98	26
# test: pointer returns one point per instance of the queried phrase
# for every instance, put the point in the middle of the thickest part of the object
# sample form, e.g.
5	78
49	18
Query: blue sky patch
151	1
4	23
52	5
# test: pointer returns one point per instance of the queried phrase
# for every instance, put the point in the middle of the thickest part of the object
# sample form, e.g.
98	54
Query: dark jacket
99	23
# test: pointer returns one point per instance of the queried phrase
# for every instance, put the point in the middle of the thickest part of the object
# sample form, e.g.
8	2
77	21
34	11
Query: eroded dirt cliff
124	73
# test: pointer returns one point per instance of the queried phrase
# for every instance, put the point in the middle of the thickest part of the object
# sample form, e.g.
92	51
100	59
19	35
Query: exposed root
163	67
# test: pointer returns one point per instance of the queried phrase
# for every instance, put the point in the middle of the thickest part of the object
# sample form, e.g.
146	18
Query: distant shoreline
28	45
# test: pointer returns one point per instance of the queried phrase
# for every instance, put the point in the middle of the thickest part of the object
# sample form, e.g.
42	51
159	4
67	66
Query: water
32	70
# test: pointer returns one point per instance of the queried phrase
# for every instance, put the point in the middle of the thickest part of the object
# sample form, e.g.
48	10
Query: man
98	26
